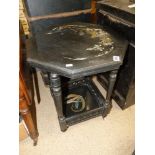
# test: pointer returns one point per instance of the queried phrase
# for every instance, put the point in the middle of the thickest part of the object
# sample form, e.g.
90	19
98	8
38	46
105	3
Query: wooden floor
112	136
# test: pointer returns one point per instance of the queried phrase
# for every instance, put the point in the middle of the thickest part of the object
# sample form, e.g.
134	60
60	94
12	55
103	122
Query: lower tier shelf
81	101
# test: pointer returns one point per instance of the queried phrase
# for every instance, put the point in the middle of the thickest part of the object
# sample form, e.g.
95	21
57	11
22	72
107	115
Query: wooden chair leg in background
26	114
24	102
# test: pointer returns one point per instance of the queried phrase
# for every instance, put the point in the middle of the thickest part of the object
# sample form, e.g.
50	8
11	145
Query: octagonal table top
76	49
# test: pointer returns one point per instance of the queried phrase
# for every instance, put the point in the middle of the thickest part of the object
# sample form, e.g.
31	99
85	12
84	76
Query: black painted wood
124	91
65	48
85	87
40	7
55	87
40	25
75	50
110	88
117	15
118	8
112	79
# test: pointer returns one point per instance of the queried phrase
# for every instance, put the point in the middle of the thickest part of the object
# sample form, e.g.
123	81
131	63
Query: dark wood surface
73	50
24	102
76	49
40	8
94	102
39	25
117	15
119	4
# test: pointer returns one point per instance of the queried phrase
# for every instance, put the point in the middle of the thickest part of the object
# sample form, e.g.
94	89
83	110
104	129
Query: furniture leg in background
24	102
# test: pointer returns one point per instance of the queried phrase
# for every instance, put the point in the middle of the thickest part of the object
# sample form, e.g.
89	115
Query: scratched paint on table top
104	46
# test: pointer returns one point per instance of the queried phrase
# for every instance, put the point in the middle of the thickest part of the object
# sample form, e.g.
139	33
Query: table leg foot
108	102
63	125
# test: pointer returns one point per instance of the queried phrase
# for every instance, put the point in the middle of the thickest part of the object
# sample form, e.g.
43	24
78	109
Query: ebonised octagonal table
77	51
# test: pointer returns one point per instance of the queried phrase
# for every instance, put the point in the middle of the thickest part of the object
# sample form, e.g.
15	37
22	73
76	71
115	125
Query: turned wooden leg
55	88
112	80
25	112
24	101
